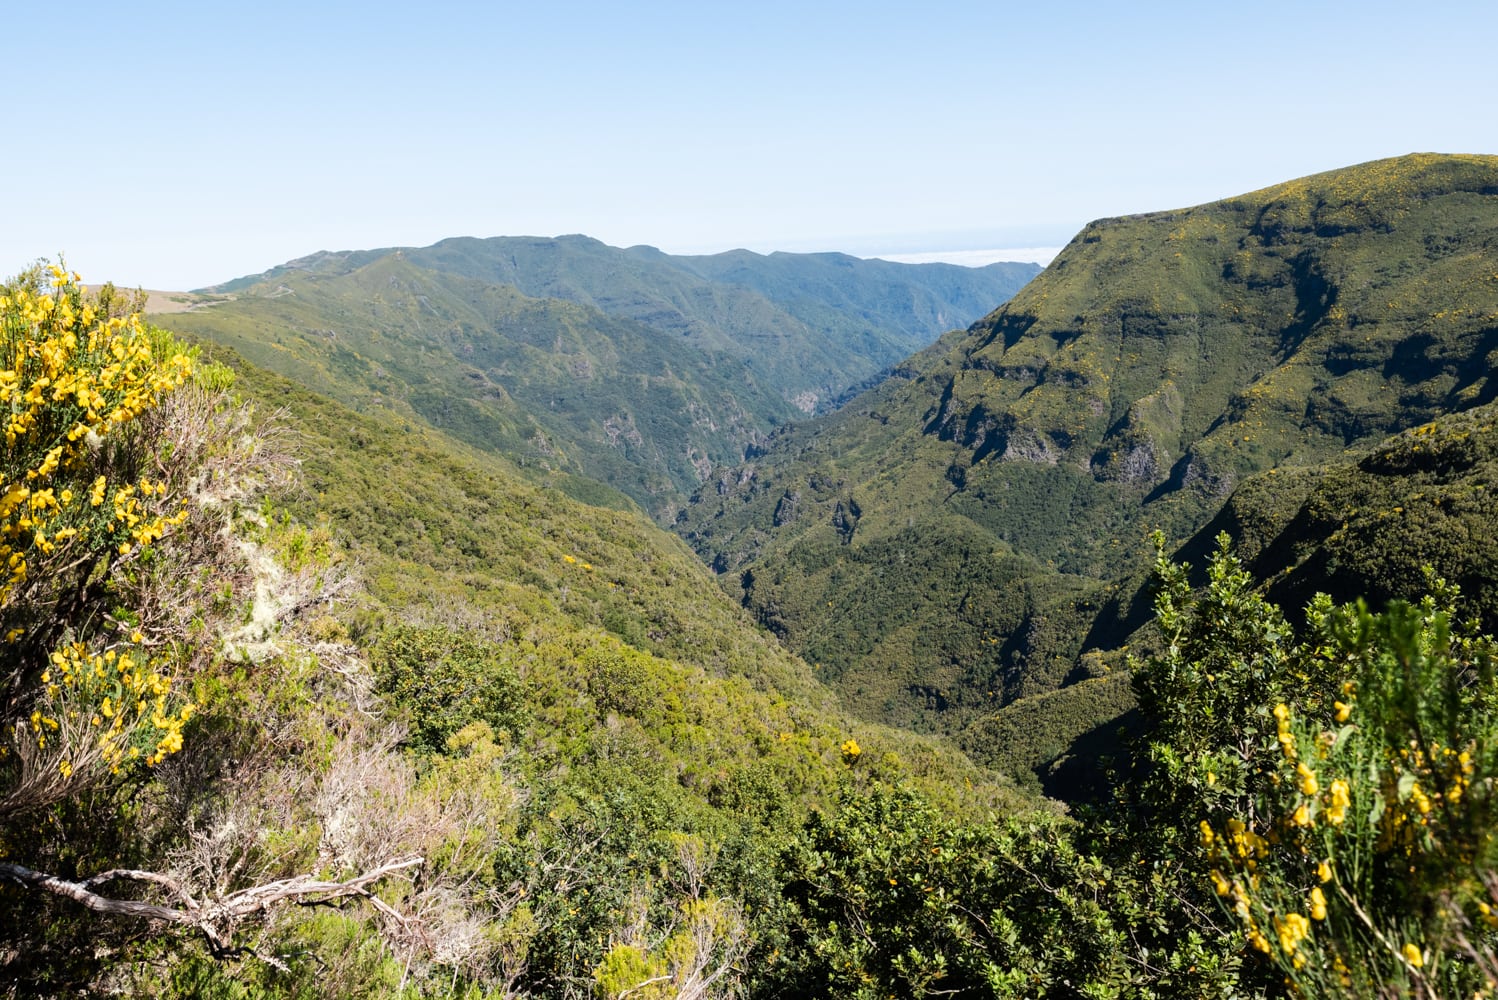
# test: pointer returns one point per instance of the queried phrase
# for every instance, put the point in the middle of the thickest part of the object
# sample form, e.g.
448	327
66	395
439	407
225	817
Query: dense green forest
312	693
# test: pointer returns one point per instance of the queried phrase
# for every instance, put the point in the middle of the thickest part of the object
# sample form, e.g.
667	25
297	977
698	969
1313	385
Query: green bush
446	679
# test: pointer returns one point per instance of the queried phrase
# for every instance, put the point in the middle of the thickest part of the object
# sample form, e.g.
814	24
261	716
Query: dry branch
215	919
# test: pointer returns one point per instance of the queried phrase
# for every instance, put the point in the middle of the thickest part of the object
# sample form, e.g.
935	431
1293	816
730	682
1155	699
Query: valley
548	619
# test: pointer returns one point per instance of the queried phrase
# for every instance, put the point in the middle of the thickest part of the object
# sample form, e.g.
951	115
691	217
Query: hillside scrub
524	786
1302	816
578	783
125	473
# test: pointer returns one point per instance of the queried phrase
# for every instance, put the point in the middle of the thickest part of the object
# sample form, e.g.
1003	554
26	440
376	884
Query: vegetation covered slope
611	786
808	325
414	659
549	383
1001	478
454	535
1369	525
628	367
1372	525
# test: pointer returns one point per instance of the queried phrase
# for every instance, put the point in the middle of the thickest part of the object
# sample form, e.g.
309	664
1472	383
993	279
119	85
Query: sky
177	145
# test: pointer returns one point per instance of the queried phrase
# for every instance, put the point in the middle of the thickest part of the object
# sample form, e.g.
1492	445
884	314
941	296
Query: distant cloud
975	258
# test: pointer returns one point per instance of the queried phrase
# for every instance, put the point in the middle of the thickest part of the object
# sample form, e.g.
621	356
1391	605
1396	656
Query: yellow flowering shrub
72	383
1363	857
85	495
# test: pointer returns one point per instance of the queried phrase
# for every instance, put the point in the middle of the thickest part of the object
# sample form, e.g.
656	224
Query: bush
1334	791
447	679
1365	863
91	488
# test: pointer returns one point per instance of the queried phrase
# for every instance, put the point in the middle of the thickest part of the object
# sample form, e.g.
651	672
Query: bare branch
216	919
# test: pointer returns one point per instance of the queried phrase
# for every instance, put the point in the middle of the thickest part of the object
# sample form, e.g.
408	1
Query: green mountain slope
809	325
1155	365
626	367
1367	526
604	618
417	655
548	382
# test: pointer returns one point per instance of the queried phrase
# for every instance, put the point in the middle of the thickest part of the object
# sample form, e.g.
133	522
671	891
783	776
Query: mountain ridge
731	301
1156	364
625	366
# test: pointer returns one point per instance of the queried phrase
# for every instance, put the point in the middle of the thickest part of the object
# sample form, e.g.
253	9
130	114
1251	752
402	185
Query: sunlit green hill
456	717
598	611
631	367
1000	481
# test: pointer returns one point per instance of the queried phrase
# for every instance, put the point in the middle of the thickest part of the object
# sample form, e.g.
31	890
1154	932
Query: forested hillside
943	544
385	653
631	367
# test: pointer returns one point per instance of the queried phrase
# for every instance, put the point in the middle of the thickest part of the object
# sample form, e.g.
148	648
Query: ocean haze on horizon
975	258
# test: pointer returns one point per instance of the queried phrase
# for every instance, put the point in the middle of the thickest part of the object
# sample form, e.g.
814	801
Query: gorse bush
1365	862
86	493
136	768
1340	782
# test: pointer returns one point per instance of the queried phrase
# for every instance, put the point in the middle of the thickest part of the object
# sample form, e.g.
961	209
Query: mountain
629	367
407	652
944	543
819	323
496	739
631	672
1368	525
1380	523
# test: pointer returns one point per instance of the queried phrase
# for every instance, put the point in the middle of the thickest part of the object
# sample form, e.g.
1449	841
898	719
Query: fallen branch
214	919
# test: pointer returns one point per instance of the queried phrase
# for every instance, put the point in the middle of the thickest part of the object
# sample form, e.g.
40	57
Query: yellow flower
1292	929
1318	904
1343	710
1412	955
1308	785
1336	810
851	750
1324	872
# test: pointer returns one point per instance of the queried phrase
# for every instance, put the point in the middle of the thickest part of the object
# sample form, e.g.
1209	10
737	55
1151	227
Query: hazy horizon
188	145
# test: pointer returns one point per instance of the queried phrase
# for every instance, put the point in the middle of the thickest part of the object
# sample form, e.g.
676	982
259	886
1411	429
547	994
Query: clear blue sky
179	144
